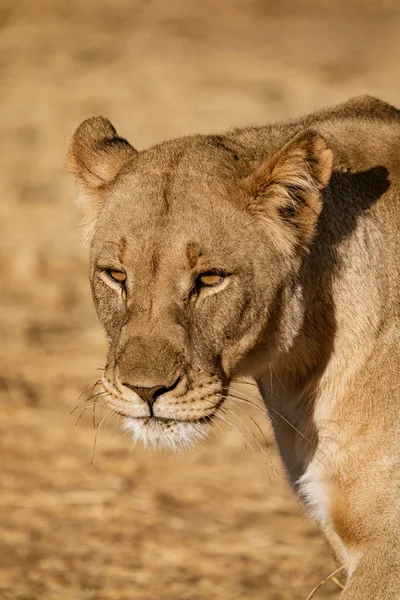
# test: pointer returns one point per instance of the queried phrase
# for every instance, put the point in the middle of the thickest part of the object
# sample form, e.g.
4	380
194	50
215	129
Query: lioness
271	252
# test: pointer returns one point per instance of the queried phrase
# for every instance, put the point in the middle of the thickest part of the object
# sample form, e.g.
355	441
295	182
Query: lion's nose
150	394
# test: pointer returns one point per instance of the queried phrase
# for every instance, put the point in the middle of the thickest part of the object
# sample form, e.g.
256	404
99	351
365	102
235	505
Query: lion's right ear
96	156
286	189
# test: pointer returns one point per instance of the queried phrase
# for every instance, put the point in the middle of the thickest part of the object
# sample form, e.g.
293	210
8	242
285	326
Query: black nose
150	394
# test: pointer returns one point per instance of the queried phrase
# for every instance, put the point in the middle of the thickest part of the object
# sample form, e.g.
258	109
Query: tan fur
303	221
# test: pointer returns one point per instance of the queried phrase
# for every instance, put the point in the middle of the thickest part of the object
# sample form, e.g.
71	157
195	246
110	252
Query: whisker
225	420
264	453
255	398
250	401
112	415
245	381
277	376
259	408
109	414
84	408
88	400
94	446
257	425
94	415
96	427
85	391
290	424
132	447
220	429
91	388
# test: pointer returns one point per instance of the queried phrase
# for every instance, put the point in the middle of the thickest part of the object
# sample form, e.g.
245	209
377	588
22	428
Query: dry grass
331	577
209	524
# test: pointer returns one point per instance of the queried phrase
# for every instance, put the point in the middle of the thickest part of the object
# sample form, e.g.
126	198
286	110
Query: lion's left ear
96	156
286	188
97	153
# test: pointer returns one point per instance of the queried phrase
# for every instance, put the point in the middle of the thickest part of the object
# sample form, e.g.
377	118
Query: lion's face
189	273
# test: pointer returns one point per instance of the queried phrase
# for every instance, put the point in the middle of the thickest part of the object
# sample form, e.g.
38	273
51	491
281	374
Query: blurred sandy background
211	524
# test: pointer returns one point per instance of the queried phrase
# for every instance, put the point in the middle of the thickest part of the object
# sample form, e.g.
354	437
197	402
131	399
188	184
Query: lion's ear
286	188
97	153
96	156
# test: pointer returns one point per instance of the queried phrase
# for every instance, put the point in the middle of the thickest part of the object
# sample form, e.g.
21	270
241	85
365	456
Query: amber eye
210	279
117	276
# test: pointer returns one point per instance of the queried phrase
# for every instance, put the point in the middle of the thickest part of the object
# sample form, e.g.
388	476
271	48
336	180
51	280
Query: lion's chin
162	433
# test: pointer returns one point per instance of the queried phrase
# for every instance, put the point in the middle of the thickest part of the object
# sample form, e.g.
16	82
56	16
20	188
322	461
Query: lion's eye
210	279
117	276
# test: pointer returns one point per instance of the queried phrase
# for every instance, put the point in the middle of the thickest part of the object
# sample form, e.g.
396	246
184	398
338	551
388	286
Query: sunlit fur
304	218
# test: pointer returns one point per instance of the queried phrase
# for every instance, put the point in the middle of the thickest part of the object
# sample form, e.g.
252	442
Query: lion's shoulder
364	108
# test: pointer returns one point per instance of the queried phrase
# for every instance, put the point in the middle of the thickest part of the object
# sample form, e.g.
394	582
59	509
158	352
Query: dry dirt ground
218	523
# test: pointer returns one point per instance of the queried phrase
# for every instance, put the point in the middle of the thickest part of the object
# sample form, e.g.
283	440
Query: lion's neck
304	387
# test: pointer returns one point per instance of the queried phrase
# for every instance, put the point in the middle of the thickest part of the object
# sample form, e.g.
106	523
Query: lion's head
195	248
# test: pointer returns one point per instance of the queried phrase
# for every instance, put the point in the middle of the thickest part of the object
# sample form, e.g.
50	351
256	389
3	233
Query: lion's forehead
172	171
150	226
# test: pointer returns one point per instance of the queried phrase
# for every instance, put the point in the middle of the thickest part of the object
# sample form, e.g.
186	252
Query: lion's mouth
170	423
160	432
145	419
165	420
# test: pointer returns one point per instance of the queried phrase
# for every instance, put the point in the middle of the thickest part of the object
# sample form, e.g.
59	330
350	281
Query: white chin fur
155	434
